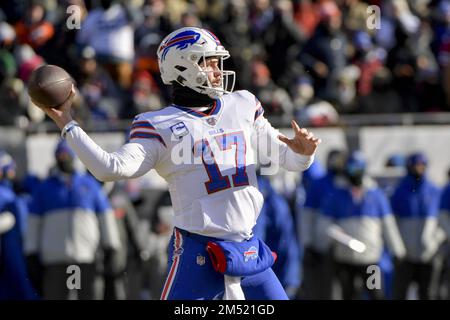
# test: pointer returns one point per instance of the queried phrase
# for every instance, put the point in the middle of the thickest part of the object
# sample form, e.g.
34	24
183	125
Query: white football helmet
179	55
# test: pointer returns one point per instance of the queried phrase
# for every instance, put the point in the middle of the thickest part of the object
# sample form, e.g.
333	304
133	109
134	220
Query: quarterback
205	145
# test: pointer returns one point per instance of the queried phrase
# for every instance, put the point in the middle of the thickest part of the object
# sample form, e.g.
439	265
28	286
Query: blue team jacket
416	205
368	219
67	215
14	283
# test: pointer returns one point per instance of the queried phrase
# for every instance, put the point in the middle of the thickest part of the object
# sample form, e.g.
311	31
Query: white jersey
208	161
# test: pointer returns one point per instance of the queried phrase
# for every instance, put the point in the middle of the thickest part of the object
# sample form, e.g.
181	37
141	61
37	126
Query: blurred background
370	78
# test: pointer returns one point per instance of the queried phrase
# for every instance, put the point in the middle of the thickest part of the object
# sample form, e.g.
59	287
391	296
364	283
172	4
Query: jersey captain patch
179	129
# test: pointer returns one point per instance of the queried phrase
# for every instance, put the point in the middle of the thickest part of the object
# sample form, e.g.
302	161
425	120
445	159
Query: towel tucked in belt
239	259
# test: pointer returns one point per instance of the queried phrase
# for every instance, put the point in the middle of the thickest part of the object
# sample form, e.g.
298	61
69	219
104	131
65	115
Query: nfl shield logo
211	121
200	260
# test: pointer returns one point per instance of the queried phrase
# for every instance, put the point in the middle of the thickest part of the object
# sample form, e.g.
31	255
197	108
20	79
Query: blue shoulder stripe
142	124
259	112
147	135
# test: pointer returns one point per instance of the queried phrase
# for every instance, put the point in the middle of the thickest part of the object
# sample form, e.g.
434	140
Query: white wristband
68	127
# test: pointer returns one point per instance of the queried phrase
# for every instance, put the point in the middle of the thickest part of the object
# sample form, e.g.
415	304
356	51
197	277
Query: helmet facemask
227	77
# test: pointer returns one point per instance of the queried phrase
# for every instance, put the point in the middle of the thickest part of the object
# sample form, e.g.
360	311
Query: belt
196	236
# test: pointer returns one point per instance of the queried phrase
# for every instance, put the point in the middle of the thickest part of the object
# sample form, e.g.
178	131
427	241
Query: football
50	86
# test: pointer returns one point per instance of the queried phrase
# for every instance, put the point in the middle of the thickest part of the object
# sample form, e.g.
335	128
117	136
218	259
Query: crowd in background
312	59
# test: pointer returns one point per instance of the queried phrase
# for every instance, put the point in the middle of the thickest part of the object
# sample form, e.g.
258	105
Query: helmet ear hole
193	57
180	68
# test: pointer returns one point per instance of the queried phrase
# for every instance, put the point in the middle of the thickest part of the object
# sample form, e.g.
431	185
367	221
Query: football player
205	145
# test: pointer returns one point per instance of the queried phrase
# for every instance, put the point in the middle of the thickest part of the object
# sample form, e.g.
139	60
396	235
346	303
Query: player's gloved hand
303	142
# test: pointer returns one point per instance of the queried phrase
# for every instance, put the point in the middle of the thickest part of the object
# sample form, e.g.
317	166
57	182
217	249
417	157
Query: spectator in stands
302	93
190	19
108	30
383	98
13	103
325	53
346	85
411	42
415	203
8	66
176	8
145	96
442	45
234	30
276	100
307	16
280	36
100	93
27	60
359	209
401	58
429	89
70	220
61	49
356	14
368	58
310	110
148	35
33	29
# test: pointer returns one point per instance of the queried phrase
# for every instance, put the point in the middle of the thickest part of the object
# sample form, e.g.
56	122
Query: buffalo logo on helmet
180	41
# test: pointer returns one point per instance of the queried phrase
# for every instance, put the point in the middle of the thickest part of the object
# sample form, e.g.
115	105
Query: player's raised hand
303	141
